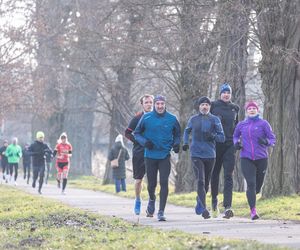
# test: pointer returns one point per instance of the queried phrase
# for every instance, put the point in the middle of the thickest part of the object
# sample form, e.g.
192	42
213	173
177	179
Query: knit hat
204	99
225	87
40	134
159	98
251	104
119	138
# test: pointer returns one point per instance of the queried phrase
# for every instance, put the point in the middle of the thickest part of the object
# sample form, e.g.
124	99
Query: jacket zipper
252	148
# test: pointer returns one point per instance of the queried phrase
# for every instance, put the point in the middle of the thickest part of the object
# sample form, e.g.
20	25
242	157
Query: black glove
176	148
263	141
185	147
149	145
238	146
208	136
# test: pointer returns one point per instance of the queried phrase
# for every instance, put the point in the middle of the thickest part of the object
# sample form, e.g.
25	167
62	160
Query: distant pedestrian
120	152
228	112
4	161
63	153
38	150
252	136
49	157
26	155
13	153
159	132
206	130
138	163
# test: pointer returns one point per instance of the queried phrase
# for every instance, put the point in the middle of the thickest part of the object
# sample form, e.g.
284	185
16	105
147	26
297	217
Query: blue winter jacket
163	130
202	126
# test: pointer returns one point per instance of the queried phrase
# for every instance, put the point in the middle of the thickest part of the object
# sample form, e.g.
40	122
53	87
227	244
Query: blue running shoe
150	208
199	209
137	207
161	216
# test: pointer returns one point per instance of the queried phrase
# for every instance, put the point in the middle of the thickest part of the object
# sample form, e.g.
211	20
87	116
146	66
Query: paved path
284	233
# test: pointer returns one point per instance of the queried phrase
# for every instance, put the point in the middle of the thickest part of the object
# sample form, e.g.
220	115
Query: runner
38	149
158	131
206	130
13	153
4	161
138	163
26	155
63	152
253	136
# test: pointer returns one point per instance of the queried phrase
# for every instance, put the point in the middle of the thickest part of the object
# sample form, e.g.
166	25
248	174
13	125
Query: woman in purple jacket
252	136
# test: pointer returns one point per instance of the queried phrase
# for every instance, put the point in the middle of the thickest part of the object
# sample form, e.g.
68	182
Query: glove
149	145
238	146
185	147
208	136
263	141
176	148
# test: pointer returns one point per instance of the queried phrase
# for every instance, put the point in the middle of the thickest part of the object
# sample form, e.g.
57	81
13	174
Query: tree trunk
279	33
233	59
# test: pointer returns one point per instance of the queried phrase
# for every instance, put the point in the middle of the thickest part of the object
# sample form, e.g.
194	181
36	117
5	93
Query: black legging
39	171
12	167
26	168
5	169
226	157
164	168
254	173
202	170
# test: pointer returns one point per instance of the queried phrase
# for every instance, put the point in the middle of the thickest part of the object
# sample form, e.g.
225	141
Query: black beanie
204	99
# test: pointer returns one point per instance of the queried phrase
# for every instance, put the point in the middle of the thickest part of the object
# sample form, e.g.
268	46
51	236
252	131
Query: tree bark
279	33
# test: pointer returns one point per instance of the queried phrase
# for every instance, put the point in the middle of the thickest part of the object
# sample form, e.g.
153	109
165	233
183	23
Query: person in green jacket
13	153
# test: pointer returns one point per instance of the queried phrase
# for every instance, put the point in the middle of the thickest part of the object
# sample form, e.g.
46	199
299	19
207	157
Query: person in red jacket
63	152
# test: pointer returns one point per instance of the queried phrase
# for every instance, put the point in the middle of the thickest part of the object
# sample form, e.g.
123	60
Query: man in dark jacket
38	149
26	155
138	164
4	161
227	111
158	131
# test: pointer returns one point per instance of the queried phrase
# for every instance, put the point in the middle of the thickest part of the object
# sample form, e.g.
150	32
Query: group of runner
216	134
39	154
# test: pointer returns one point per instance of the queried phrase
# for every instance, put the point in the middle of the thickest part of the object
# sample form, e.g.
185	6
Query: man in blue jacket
158	131
206	130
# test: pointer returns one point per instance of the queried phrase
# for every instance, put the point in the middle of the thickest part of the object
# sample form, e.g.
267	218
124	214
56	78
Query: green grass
285	207
32	222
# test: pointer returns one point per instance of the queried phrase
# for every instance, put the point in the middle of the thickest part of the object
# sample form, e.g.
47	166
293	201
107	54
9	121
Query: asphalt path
279	232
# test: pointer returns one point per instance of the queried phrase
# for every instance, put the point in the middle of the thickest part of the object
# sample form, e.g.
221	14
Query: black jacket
4	161
119	172
26	155
228	114
38	151
137	148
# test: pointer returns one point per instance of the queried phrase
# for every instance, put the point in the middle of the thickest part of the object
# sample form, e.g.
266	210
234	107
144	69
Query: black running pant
5	169
225	156
202	170
254	173
39	171
26	168
13	167
163	166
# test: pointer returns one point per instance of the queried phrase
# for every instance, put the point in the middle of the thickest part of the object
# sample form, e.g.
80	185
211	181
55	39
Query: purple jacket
248	132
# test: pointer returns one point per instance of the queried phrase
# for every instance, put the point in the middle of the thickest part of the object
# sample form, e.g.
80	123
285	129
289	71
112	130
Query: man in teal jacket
13	153
158	131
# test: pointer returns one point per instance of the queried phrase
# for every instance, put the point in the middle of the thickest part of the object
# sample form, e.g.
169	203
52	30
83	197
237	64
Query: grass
284	207
33	222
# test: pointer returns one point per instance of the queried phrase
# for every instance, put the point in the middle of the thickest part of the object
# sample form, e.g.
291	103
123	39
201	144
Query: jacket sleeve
111	155
131	127
236	133
138	132
219	136
176	133
187	132
269	134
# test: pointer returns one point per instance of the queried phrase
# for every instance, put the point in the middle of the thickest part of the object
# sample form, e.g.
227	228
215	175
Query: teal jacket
163	130
13	153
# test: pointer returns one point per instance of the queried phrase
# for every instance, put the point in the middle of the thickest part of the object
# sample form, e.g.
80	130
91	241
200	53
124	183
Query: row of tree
71	62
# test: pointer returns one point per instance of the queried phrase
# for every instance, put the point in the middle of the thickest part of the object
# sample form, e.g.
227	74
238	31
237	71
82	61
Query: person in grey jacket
119	173
206	130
